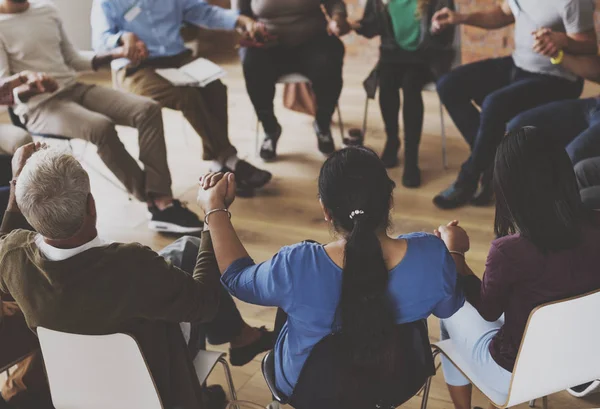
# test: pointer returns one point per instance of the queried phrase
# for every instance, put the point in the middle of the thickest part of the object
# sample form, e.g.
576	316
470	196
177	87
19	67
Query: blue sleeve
452	295
200	13
269	283
106	32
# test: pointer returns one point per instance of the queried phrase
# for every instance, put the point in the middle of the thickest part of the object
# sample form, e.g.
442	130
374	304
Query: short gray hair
52	193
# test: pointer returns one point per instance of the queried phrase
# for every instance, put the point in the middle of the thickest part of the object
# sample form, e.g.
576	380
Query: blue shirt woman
305	282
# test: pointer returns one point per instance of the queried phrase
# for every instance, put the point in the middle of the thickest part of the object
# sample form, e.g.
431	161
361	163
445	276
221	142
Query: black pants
503	91
411	78
228	322
321	60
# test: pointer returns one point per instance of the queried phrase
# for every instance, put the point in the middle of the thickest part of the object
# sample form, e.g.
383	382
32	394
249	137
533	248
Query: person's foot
324	139
389	157
485	196
242	355
214	397
174	219
411	177
455	196
268	149
248	178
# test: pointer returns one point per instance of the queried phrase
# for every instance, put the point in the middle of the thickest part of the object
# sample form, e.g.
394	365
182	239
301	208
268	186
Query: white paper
199	73
177	77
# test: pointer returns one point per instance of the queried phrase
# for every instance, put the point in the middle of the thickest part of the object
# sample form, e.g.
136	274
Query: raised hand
217	191
455	237
23	154
443	19
133	49
548	42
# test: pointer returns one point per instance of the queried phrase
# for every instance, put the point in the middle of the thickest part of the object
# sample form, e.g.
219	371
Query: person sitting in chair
505	87
90	112
363	284
547	250
150	32
297	38
63	276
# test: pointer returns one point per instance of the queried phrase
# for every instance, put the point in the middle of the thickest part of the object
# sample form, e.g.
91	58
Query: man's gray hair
52	193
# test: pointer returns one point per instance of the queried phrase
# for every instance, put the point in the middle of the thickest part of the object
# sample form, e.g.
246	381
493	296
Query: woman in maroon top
547	250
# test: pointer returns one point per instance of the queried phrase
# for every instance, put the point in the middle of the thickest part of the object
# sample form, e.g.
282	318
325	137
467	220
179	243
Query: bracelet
215	211
558	59
458	253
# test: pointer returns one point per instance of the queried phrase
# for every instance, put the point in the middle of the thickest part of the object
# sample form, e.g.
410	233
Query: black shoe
214	397
411	177
389	157
174	219
324	139
251	176
484	197
268	149
242	355
455	196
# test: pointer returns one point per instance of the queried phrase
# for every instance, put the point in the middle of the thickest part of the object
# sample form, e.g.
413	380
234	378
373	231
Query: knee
15	137
102	132
448	87
148	110
581	173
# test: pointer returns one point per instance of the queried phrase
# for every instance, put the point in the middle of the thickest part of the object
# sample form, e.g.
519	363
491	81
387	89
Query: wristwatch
558	59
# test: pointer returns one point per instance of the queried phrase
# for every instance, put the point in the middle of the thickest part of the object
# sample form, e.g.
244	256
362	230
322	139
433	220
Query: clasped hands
217	191
549	43
454	236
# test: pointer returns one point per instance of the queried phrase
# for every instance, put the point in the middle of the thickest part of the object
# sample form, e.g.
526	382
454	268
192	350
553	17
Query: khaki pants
26	387
91	112
204	108
12	138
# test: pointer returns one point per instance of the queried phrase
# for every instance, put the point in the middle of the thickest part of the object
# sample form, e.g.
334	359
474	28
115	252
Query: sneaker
175	219
455	196
411	177
242	355
268	149
585	389
324	139
485	196
248	178
389	157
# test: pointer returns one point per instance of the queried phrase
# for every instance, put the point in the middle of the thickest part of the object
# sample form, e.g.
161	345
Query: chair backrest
321	385
559	349
97	372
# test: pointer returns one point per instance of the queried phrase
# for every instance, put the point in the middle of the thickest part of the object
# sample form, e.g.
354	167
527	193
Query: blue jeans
574	124
503	91
588	177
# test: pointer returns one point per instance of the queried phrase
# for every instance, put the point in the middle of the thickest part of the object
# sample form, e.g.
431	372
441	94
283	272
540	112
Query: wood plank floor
287	211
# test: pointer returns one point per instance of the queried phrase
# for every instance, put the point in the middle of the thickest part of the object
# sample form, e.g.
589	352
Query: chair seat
463	362
204	363
293	78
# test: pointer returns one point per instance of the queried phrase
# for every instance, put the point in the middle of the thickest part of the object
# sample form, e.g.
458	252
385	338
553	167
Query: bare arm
586	66
582	43
494	18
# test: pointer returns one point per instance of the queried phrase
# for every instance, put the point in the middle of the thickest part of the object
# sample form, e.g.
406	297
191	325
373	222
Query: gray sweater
293	21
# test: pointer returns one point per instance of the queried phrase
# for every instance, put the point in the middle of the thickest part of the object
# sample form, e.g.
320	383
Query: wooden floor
287	211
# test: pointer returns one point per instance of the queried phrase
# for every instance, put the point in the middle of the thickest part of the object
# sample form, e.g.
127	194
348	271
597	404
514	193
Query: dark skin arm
494	18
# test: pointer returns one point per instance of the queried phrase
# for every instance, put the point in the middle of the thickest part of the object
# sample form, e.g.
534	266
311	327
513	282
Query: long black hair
537	191
356	190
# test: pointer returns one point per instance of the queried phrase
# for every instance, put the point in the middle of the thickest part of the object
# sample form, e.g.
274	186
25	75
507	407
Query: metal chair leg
532	403
257	138
229	378
443	132
427	387
340	121
274	405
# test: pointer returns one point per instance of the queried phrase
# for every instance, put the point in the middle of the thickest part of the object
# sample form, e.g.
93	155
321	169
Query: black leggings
411	78
320	60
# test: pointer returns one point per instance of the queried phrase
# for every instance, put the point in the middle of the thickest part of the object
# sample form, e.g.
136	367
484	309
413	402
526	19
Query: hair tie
355	213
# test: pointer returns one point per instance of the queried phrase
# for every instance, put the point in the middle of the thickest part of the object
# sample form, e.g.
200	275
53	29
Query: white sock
215	166
232	162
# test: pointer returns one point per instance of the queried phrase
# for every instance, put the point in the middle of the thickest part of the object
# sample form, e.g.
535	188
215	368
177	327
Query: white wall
76	18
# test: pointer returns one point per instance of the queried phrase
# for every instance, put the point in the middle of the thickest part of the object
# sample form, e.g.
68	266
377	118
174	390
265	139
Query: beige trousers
91	112
12	138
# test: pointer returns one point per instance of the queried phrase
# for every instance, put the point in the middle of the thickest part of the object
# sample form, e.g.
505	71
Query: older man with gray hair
64	277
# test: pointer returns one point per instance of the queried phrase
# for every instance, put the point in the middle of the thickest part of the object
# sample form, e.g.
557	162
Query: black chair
16	121
320	387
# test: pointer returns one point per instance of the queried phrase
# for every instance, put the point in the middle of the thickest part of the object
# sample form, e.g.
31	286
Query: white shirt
55	254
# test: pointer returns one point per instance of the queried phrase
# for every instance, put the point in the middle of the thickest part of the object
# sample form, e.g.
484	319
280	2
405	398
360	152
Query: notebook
198	73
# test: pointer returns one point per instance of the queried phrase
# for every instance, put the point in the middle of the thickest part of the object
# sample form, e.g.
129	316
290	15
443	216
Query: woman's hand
455	237
217	191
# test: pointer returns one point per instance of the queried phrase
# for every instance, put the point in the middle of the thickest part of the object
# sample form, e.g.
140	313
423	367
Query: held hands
455	237
217	191
443	19
338	26
23	154
133	49
549	43
35	83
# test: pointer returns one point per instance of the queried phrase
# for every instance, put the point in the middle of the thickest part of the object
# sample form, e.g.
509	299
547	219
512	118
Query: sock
232	162
215	166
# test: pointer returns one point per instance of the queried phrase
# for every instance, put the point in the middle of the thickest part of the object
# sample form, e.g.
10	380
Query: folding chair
558	351
107	371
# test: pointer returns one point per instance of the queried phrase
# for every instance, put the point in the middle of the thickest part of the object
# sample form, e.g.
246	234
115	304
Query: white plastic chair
558	351
107	371
296	78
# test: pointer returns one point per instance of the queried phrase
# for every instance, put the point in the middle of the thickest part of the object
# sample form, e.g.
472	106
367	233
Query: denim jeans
574	124
588	177
228	322
503	91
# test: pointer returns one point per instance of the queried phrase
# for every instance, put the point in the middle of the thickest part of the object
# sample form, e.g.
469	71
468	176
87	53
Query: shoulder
424	242
302	249
513	243
17	239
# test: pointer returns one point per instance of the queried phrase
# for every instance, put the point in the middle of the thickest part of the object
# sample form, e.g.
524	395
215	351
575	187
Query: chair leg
443	132
274	405
427	387
257	138
340	122
545	402
229	378
532	403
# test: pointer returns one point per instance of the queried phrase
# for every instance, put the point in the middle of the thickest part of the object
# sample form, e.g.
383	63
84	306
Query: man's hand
217	191
339	26
548	42
23	154
445	18
35	84
132	48
248	27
